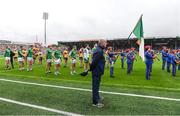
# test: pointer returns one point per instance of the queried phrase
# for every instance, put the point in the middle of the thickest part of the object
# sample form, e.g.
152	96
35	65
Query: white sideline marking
39	107
88	90
124	85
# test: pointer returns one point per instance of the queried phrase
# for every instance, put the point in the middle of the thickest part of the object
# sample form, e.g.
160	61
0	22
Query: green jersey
30	53
49	54
57	54
93	49
73	54
7	53
20	54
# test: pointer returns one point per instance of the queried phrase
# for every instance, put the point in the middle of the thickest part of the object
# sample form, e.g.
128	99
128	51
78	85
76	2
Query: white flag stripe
141	49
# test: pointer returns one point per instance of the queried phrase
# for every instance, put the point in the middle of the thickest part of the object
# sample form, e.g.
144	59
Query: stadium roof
110	39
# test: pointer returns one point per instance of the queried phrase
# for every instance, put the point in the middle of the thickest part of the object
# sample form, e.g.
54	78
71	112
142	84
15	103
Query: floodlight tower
45	17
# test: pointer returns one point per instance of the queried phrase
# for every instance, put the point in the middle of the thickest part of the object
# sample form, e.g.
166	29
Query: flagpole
135	26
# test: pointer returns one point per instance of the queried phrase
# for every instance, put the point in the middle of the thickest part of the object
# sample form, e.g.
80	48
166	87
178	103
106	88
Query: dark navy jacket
98	61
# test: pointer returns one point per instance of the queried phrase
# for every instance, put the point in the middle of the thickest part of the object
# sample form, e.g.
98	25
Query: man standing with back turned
97	68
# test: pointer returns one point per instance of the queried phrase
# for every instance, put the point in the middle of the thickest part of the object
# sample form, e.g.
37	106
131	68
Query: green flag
138	32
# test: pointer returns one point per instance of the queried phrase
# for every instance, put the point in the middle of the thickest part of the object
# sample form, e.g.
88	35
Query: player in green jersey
20	58
7	57
73	55
92	51
86	58
30	58
57	59
48	59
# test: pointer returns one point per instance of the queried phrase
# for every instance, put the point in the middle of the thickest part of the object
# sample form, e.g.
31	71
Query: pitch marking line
88	90
124	85
39	107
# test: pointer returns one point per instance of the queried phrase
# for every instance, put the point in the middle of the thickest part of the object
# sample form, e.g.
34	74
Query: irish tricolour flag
138	32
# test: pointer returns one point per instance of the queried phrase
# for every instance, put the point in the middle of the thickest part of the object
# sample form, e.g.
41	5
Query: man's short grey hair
101	41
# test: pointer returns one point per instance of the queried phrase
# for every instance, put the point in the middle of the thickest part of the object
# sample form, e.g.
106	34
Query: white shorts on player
29	59
57	61
49	60
20	59
7	58
73	61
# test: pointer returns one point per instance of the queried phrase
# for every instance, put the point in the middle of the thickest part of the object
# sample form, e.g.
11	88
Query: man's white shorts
49	60
57	61
29	59
20	59
7	58
73	61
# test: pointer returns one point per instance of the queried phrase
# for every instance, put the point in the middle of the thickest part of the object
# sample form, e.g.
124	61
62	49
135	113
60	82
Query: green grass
9	109
161	84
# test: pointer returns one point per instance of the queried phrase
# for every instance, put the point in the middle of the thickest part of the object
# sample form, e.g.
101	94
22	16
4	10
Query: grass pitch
161	84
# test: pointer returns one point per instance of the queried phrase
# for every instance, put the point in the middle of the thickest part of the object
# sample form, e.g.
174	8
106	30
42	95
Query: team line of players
55	54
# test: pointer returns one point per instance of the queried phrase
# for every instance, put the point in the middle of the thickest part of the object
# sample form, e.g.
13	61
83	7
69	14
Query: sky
69	20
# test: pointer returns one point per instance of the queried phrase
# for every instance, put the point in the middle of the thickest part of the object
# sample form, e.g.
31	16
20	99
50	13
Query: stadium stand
123	43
